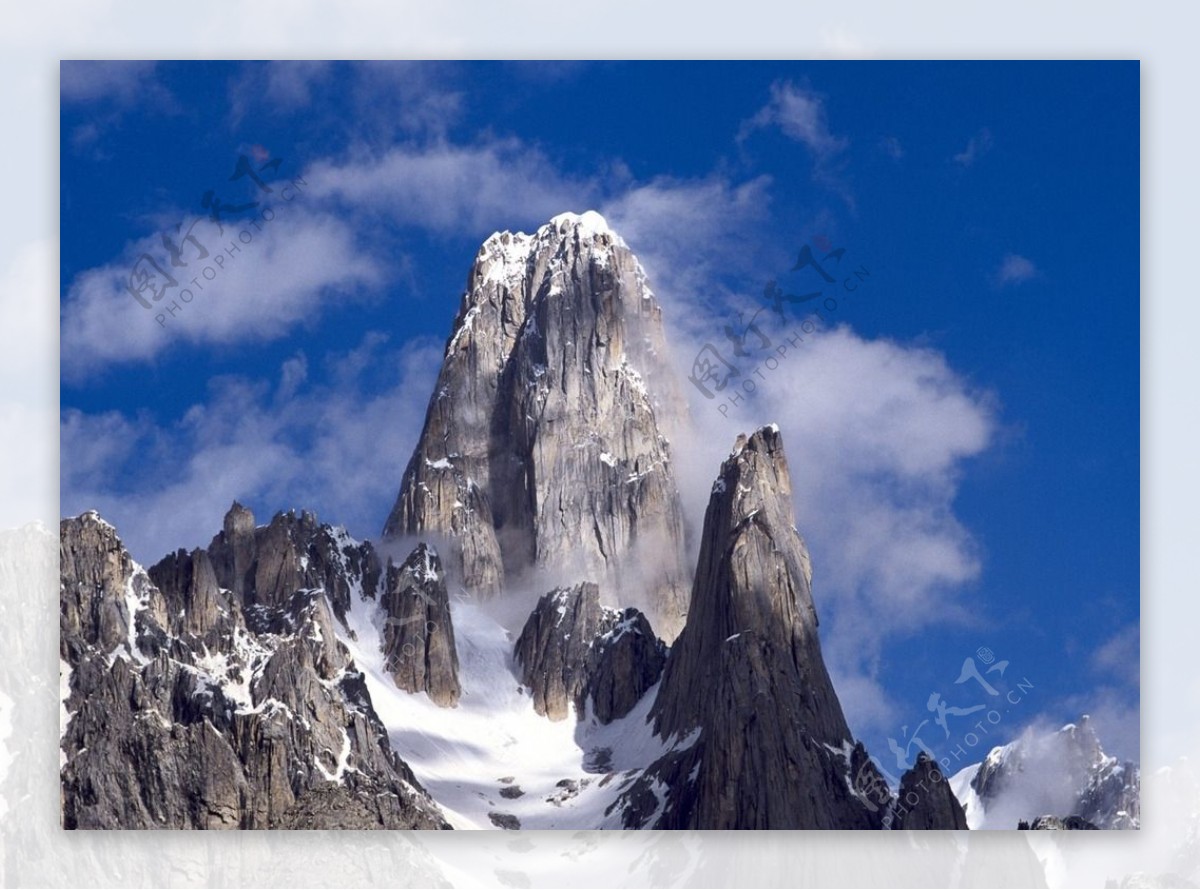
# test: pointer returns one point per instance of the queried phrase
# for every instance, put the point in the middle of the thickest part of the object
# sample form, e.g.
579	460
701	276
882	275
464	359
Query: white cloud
386	100
877	434
403	97
1119	657
685	231
977	146
283	277
110	90
278	86
90	81
800	114
1015	269
453	188
679	228
337	447
290	83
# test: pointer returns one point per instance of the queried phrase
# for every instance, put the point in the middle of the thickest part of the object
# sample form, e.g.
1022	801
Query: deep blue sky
1051	183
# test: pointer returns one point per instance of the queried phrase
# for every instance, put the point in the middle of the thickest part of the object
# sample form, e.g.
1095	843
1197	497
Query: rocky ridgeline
1059	777
212	691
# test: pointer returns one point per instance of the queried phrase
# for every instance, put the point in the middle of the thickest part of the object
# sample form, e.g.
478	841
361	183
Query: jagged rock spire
545	442
759	736
925	801
753	587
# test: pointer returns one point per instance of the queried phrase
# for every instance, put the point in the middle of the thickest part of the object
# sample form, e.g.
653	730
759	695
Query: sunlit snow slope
492	761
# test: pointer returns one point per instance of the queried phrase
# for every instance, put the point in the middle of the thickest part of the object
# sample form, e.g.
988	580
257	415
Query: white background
33	39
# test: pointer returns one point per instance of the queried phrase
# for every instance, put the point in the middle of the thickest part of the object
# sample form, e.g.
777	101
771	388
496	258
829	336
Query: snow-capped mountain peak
1060	773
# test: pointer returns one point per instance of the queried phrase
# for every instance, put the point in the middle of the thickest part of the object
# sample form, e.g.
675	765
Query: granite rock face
627	660
757	732
573	650
545	448
925	801
418	632
192	704
262	566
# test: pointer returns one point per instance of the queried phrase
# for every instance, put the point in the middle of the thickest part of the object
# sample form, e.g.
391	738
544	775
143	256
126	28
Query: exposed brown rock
573	650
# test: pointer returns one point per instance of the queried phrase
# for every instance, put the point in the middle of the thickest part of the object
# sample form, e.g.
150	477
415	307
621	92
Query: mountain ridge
526	647
544	451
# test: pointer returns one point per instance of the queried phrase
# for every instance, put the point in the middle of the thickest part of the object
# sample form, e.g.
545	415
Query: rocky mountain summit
545	448
213	692
418	633
746	682
527	646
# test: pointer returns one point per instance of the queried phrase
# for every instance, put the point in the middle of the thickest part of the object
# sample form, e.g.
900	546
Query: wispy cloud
977	146
1015	269
799	113
110	90
685	231
118	81
310	256
259	290
1119	657
337	446
281	86
454	188
387	100
892	147
877	435
408	98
